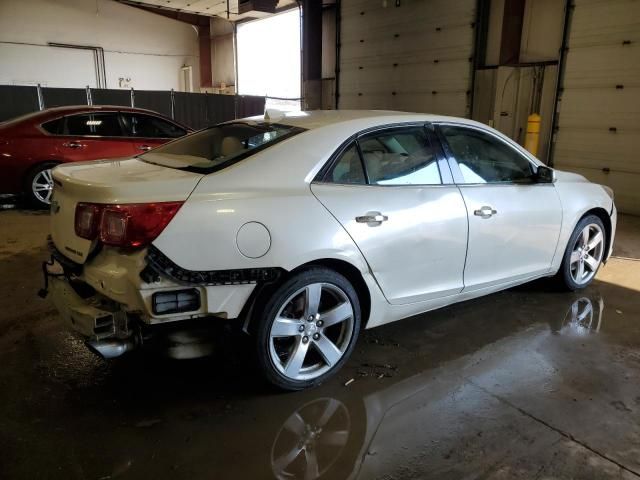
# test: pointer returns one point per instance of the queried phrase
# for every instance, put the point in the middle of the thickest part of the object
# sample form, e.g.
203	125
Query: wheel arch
346	269
602	214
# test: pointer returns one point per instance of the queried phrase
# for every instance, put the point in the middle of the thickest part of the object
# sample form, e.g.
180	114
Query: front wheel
584	254
307	329
39	185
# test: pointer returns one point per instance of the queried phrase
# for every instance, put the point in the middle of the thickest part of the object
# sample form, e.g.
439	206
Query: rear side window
348	168
93	124
217	147
148	126
400	157
54	126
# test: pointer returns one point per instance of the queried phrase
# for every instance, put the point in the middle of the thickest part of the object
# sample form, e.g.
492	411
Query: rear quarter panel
203	235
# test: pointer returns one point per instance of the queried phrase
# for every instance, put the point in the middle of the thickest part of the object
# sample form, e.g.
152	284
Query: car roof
40	116
97	108
321	118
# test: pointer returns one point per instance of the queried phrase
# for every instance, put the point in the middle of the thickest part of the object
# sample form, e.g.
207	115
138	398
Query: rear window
54	126
217	147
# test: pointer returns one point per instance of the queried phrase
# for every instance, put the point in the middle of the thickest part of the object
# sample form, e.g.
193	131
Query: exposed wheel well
350	272
602	214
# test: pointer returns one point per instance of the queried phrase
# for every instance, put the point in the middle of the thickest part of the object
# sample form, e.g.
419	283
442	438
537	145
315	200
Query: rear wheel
39	185
307	329
584	254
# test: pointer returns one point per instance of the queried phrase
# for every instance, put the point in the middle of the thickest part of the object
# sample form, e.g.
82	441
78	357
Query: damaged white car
311	226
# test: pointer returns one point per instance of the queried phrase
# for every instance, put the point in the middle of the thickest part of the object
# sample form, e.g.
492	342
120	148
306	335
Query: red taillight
87	220
129	225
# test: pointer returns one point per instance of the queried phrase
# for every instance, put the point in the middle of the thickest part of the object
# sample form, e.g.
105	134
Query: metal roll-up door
413	57
599	105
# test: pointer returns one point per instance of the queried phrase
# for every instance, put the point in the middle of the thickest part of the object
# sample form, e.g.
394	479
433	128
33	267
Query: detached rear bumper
90	317
115	278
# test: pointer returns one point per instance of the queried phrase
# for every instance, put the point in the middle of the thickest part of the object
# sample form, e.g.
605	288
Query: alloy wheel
42	186
311	331
587	254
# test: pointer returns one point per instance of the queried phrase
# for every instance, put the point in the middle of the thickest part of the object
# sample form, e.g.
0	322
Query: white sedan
310	226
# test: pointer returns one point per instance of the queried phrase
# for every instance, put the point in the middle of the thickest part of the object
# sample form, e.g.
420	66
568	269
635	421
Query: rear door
386	188
514	222
92	136
148	131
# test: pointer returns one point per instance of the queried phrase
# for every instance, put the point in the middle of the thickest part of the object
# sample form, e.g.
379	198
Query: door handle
485	212
73	144
144	148
372	217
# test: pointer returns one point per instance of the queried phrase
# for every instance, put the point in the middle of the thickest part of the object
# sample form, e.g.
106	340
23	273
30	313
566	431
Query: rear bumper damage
114	302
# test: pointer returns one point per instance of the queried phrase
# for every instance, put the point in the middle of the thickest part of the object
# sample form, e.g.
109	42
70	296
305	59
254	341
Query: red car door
92	136
148	131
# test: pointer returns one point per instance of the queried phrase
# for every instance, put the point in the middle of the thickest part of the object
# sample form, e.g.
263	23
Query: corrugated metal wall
412	57
599	108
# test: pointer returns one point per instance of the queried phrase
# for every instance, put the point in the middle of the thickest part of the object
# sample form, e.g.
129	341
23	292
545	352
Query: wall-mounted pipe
40	97
98	60
568	8
337	67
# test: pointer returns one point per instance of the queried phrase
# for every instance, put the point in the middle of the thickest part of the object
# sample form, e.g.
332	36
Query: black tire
564	277
30	195
267	310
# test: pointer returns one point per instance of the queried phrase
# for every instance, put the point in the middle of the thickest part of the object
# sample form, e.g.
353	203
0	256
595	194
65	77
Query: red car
31	145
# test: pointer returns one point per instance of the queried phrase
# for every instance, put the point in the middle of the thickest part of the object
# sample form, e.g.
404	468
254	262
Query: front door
386	191
514	222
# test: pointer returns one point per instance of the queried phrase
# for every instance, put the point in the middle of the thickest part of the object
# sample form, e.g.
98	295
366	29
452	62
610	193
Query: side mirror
545	174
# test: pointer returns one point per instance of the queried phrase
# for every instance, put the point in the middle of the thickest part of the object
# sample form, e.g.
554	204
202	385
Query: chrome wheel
42	186
587	254
311	440
311	331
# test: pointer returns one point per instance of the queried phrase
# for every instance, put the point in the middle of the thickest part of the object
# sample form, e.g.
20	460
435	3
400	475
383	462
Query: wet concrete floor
527	383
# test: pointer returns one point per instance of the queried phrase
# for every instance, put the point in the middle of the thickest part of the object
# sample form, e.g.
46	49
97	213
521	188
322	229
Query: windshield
217	147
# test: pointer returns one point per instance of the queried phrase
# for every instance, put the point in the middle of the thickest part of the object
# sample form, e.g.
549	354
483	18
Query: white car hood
570	177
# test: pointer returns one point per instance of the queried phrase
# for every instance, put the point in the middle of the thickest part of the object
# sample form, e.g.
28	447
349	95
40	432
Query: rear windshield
217	147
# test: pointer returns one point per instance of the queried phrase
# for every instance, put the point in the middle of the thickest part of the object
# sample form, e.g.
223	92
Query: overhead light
94	122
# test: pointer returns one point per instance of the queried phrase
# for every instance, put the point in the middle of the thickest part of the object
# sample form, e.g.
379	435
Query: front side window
348	169
483	158
148	126
217	147
93	124
400	157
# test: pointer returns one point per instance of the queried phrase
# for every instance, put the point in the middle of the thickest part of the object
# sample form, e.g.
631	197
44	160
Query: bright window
269	59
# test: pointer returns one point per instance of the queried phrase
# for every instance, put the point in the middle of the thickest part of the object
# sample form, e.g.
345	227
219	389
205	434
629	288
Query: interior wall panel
598	114
414	57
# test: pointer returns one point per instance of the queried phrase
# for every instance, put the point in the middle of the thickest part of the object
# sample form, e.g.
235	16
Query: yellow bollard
533	133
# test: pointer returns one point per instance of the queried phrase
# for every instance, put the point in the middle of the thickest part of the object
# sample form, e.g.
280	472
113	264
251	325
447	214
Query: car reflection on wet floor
522	383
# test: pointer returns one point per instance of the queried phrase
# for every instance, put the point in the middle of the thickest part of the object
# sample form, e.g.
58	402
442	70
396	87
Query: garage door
414	57
599	108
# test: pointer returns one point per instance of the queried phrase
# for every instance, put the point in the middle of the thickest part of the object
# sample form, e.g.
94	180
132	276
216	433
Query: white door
514	222
411	228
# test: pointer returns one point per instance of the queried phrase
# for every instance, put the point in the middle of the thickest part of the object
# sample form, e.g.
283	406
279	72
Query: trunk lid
109	182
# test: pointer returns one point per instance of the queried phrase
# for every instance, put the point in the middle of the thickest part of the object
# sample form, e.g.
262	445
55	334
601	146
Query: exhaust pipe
111	347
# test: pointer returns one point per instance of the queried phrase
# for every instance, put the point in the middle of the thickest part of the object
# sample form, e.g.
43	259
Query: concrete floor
527	383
